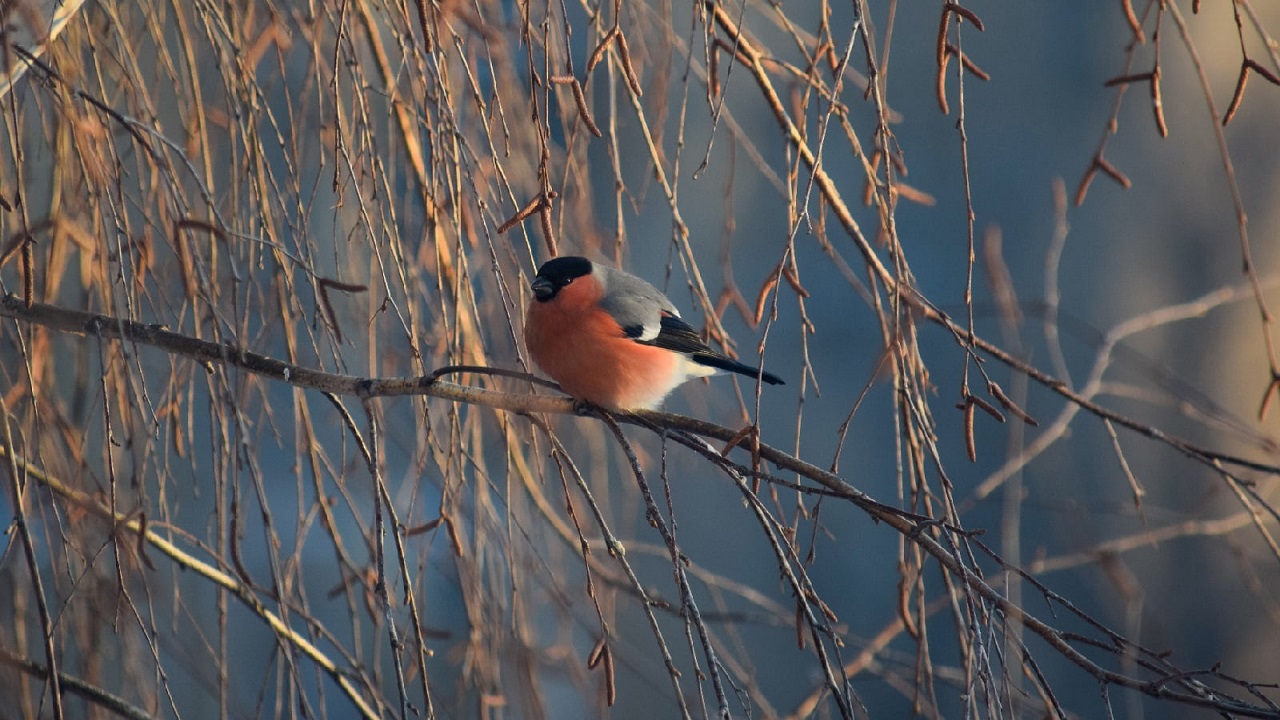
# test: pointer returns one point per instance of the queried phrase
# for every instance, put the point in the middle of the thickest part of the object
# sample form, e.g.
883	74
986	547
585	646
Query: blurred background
331	184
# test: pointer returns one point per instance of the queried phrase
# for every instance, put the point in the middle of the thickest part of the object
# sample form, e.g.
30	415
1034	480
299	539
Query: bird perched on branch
614	340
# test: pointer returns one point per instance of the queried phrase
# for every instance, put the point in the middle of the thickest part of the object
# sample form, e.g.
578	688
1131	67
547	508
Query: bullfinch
614	340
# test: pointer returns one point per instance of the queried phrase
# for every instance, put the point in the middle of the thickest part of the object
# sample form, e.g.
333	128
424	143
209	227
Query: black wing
678	336
674	334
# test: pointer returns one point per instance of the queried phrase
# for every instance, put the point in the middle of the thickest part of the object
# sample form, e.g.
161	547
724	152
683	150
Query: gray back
634	303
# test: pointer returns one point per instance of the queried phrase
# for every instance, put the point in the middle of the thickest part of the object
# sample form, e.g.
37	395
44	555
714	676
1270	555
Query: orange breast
584	349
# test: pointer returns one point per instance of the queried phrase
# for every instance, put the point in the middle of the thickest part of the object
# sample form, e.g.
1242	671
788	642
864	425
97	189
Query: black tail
723	363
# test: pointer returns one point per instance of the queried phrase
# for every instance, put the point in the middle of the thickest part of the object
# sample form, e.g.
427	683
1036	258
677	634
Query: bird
613	340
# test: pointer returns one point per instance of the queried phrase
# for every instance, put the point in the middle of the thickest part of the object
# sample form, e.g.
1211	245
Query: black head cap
556	273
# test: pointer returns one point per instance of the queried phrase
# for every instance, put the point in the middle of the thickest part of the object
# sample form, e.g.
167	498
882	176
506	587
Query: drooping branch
933	537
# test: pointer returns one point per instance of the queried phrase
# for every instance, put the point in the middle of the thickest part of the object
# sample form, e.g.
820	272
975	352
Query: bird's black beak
543	289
